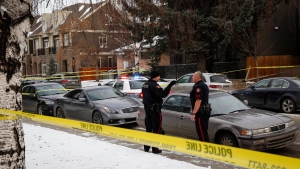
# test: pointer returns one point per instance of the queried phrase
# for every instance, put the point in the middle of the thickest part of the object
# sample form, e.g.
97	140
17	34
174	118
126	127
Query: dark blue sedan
275	93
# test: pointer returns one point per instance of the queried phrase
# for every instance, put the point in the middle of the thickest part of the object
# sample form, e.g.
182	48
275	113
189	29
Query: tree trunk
15	21
12	145
201	63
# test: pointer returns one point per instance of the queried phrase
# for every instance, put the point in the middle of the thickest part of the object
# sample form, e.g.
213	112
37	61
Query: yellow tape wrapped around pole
236	156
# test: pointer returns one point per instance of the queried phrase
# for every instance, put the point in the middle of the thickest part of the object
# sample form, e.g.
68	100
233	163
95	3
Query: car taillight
170	92
64	81
213	86
141	95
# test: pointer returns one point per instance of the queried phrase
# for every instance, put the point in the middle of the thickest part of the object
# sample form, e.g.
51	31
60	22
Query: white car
132	86
212	80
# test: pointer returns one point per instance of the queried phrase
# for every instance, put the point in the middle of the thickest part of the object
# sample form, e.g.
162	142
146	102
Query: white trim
93	11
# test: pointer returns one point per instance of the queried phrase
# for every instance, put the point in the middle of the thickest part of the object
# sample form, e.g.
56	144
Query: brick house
77	36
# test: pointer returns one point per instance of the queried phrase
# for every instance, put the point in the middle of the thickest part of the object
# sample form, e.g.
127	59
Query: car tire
288	105
40	109
60	113
228	139
97	118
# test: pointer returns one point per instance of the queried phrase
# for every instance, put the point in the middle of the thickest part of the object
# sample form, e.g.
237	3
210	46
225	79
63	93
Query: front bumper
270	141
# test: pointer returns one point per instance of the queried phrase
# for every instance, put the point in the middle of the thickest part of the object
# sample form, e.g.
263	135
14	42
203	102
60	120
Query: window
110	63
36	44
145	55
56	43
277	83
125	64
46	43
185	79
103	41
119	85
136	84
74	94
173	103
262	84
66	39
44	69
186	105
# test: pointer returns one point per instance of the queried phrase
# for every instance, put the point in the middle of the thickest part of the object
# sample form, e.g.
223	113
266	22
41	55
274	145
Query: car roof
187	92
95	87
42	84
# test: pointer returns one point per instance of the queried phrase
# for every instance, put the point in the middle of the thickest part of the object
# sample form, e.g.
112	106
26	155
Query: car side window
172	103
277	83
26	89
186	104
74	94
262	83
32	90
184	79
285	84
119	85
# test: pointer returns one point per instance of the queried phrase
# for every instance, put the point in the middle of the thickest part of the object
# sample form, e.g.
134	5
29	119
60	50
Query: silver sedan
232	122
97	104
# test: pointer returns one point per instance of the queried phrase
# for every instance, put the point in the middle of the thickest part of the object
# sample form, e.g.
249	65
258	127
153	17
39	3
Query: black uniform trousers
153	124
201	122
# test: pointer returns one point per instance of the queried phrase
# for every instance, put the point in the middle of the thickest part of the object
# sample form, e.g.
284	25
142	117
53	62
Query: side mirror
82	99
251	87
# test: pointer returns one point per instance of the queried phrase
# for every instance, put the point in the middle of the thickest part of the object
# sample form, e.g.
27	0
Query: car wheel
288	105
40	109
228	140
97	118
60	113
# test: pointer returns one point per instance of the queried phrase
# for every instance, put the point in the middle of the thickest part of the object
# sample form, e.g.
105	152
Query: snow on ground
48	149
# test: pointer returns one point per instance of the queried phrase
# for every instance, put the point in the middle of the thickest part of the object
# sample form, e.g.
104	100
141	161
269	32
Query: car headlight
290	124
256	131
110	111
49	102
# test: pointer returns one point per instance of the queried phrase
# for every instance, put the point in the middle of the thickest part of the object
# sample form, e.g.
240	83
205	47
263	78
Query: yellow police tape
236	156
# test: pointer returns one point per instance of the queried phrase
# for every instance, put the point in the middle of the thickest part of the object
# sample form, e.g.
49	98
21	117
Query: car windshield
136	84
50	89
223	103
103	93
218	79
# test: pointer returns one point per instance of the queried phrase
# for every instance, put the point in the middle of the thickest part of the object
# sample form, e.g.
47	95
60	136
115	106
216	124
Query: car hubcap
97	119
226	141
287	106
59	113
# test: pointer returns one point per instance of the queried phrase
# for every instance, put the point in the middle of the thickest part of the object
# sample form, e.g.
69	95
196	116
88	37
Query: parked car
97	104
69	81
275	93
232	122
31	80
212	80
39	98
132	88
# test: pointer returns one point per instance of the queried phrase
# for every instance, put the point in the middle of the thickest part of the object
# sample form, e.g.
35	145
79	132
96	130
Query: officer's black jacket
153	93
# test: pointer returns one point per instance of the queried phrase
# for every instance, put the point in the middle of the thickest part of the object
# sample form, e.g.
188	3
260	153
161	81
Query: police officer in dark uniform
200	111
153	96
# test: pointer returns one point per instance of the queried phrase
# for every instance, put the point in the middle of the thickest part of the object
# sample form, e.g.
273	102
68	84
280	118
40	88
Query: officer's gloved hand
172	83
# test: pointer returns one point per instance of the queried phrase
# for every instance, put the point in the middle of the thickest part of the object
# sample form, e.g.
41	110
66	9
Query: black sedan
275	93
232	122
97	104
39	98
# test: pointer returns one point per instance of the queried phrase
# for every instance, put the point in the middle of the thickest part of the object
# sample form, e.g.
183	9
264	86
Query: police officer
153	96
200	111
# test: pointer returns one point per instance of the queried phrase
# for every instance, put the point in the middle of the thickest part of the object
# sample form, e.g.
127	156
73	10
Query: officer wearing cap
200	111
153	96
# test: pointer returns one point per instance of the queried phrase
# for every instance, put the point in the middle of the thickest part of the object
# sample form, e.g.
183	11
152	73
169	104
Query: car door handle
181	117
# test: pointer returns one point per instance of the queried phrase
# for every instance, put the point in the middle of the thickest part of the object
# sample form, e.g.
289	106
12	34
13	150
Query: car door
255	95
170	113
186	127
275	92
81	109
72	108
183	82
25	98
32	100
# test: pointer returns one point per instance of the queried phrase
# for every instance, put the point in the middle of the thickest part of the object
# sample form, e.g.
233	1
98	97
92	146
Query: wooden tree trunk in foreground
15	21
12	145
